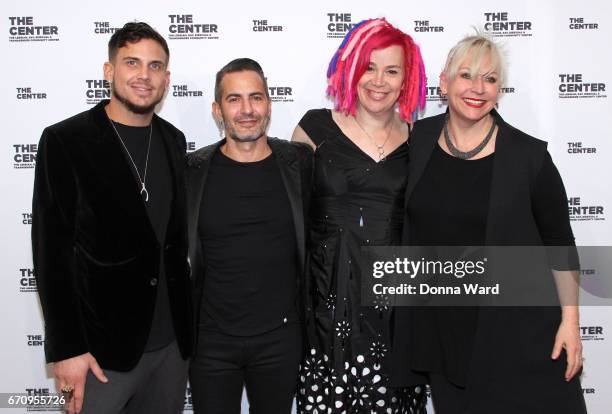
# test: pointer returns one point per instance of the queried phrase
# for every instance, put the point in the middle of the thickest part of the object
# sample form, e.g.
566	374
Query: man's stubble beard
132	107
230	132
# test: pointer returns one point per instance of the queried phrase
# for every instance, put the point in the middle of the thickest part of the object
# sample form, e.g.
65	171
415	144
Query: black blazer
512	346
295	164
96	256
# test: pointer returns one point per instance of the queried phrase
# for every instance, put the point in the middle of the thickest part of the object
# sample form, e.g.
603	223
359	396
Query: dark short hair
133	32
239	65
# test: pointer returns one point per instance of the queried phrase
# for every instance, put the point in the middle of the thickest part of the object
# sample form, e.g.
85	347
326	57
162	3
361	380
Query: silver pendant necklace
143	188
382	156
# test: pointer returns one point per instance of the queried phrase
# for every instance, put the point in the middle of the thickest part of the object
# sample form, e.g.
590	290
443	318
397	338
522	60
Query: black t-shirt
248	240
159	187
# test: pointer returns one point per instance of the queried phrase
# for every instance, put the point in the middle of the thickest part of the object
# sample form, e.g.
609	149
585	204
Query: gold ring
67	389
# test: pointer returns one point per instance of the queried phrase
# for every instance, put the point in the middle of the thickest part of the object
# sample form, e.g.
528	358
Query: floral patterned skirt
359	388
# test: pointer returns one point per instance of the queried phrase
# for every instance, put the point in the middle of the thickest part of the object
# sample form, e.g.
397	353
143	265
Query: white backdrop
54	51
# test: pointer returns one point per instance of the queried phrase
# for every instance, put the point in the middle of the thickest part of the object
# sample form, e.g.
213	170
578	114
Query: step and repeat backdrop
558	90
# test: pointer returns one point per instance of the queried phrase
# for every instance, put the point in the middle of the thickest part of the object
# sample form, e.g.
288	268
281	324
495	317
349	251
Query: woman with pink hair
376	80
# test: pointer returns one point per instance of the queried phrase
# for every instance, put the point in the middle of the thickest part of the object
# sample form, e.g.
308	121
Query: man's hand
71	373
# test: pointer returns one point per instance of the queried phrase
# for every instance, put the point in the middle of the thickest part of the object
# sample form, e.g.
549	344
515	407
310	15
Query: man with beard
110	243
247	198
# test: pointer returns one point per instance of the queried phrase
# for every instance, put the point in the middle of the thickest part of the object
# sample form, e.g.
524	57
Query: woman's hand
568	338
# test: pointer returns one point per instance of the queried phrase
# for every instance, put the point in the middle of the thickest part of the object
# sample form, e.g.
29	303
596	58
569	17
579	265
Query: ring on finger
67	391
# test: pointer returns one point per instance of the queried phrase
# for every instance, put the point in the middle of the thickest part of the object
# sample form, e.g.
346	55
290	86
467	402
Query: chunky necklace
467	154
143	188
382	156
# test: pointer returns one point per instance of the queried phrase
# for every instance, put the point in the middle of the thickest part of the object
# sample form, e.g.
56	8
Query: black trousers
266	365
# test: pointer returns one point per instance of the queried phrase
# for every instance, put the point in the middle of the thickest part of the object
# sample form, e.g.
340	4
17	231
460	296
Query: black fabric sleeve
549	205
182	141
53	227
317	123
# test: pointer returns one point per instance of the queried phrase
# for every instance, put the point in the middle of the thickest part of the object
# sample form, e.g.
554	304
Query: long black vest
511	370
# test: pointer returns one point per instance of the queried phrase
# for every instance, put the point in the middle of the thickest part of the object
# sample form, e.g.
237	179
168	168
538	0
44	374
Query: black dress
355	202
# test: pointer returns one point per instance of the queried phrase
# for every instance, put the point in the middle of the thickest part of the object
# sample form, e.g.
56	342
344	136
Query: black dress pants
266	365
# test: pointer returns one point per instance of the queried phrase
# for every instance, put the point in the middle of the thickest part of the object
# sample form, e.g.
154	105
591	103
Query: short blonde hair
477	46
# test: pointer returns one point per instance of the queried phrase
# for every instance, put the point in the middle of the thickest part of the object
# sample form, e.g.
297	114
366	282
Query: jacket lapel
175	157
500	182
177	161
197	173
420	152
291	175
509	188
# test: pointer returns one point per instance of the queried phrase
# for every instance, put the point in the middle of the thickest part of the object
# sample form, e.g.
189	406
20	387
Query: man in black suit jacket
247	199
110	244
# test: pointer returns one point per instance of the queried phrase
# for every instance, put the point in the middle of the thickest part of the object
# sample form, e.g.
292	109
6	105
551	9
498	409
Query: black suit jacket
512	346
295	165
96	256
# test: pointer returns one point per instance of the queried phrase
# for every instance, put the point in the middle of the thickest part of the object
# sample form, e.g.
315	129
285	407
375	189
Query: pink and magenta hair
352	59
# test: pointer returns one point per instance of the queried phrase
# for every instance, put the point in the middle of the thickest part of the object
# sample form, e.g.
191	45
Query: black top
449	206
248	238
356	202
159	187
